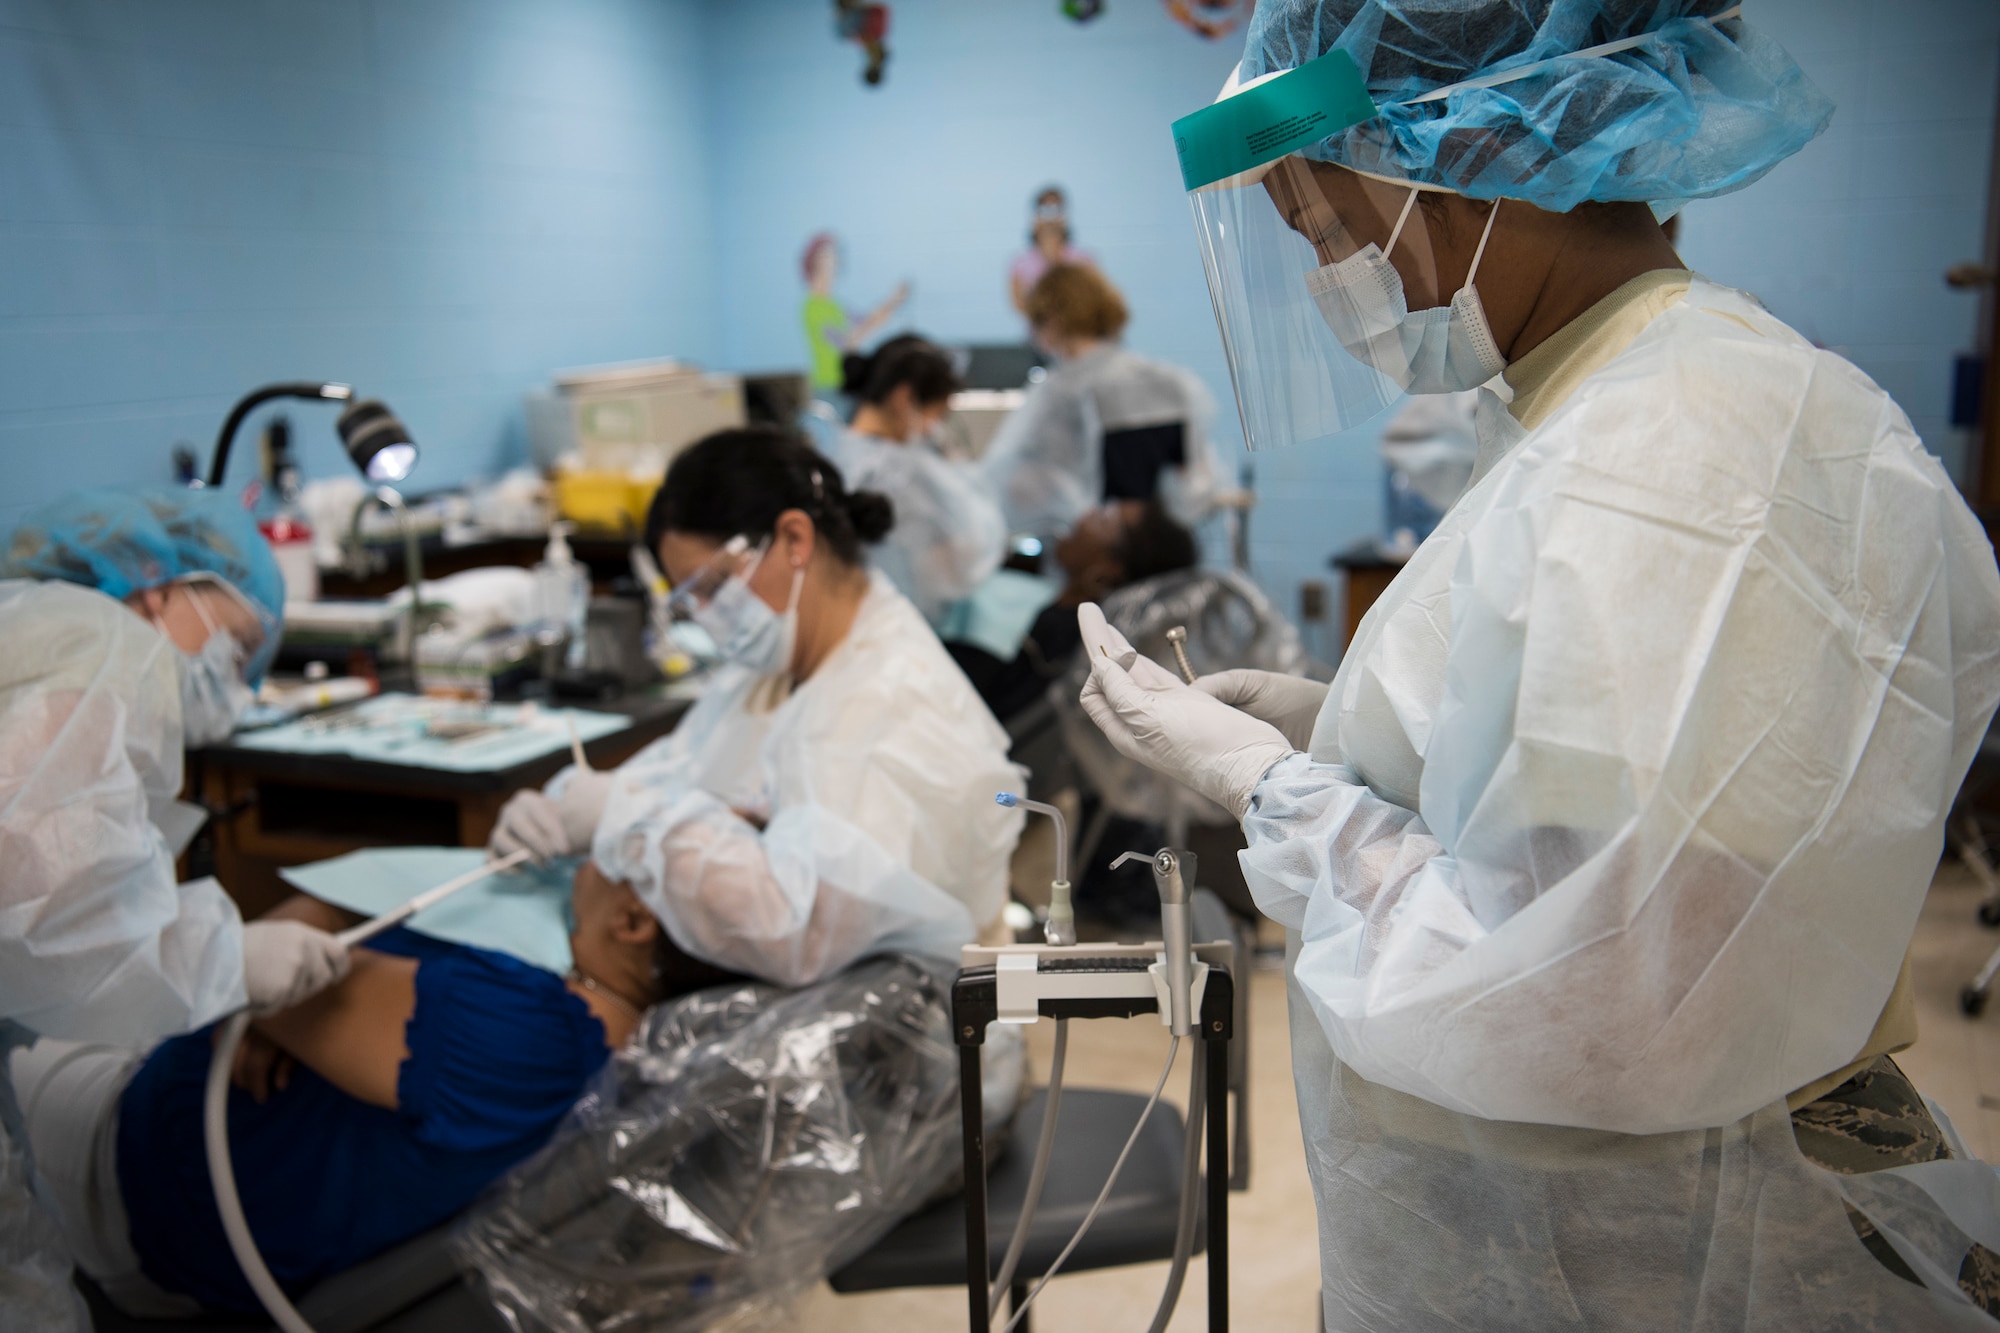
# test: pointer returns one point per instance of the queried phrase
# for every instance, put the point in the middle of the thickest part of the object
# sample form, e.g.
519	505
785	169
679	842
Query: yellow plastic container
604	502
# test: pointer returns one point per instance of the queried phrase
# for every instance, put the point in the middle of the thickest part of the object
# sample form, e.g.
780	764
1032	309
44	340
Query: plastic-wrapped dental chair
746	1143
1230	623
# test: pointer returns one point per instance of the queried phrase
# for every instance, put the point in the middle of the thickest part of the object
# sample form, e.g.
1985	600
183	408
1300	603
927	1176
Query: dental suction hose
215	1104
1059	929
1173	1049
1038	1173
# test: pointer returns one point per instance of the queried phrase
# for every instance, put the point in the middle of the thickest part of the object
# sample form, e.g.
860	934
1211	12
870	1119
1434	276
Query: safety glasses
736	558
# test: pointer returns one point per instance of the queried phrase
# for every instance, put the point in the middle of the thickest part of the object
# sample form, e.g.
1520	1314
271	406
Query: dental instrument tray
436	734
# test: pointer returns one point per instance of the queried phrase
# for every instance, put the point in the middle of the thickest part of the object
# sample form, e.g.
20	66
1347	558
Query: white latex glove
285	962
1289	703
581	804
546	825
1148	714
530	822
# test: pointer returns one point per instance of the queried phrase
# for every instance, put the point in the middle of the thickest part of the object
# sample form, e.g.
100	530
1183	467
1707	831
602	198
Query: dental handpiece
1173	871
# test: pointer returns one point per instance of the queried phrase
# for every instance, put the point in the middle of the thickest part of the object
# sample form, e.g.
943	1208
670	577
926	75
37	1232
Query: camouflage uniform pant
1874	1121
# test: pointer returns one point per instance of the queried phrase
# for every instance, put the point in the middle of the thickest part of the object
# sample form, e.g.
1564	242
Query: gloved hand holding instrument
285	962
1289	703
1179	730
547	827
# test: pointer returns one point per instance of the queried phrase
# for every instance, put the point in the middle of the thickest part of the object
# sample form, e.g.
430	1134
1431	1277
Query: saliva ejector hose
215	1103
1060	928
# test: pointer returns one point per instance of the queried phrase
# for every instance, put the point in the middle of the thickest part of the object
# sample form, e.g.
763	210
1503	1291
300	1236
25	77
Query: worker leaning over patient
130	624
831	795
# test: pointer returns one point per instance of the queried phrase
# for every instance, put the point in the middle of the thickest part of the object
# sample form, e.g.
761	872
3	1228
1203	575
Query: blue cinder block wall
439	201
443	201
1848	241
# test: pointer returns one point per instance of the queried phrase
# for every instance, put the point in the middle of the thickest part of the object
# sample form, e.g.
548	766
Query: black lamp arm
254	399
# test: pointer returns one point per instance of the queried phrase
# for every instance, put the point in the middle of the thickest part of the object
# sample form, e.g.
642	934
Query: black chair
414	1288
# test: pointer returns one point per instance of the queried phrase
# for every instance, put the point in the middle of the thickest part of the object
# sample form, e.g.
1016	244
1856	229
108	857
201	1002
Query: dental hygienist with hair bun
1600	858
831	793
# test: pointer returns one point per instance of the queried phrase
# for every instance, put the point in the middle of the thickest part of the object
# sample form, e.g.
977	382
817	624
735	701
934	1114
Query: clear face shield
1326	282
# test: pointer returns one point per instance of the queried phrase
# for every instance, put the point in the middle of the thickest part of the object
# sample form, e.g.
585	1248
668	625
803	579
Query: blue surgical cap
120	542
1698	107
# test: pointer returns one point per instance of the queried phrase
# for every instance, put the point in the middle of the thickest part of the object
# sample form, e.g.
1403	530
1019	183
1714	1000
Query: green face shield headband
1273	227
1271	118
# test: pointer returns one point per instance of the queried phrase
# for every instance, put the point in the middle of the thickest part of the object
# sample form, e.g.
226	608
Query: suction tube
1173	1049
1060	928
1038	1173
215	1105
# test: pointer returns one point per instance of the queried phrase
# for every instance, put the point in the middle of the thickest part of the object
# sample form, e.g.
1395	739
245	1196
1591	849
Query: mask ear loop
1401	218
1480	252
241	654
201	612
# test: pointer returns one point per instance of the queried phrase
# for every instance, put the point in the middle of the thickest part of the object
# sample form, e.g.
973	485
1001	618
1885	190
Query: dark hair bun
854	371
872	514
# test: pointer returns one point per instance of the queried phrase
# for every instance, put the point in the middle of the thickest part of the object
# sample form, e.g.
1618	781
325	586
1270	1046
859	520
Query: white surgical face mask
213	692
1441	350
745	629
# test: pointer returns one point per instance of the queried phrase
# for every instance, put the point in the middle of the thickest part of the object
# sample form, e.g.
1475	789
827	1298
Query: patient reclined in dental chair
745	1130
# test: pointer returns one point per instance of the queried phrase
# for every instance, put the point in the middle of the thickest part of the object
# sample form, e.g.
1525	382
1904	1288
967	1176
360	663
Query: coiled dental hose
215	1104
1173	1049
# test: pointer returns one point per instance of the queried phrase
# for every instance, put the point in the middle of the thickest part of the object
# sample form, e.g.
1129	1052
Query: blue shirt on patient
499	1051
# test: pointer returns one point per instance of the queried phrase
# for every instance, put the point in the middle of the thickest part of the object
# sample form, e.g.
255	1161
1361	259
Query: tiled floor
1956	1061
1274	1268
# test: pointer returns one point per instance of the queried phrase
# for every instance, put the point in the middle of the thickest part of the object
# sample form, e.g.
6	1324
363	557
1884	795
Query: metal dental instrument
1177	636
1172	870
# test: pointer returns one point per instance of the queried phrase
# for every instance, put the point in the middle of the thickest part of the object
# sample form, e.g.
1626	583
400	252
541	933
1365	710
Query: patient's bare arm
351	1034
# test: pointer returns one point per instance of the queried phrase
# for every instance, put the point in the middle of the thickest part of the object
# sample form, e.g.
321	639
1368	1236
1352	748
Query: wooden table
275	809
1368	576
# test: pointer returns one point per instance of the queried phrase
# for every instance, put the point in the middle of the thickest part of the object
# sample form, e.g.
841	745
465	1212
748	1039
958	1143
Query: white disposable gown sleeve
1722	644
793	902
97	940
